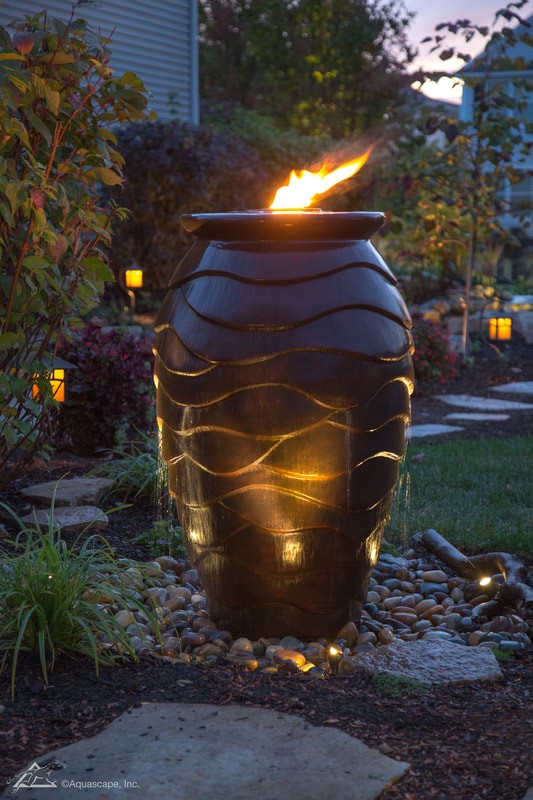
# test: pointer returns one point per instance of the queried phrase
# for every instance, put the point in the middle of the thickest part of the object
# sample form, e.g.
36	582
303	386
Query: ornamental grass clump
434	364
135	468
56	599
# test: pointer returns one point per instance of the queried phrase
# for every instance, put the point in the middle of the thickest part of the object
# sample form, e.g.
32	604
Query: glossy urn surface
284	374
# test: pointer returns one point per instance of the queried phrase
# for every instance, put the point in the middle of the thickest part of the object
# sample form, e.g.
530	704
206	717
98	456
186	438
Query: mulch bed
492	366
462	743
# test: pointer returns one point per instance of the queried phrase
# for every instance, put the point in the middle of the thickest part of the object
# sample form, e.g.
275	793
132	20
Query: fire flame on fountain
304	186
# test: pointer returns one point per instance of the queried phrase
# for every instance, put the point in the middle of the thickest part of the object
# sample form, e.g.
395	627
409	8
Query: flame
304	186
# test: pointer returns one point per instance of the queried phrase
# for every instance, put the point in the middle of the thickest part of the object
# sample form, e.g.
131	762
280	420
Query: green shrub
58	100
111	391
164	537
51	600
173	168
434	363
280	150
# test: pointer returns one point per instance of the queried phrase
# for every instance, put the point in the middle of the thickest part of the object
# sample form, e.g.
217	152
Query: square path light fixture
57	377
131	278
500	328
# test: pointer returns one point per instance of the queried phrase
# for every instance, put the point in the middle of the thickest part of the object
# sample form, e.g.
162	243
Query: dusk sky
429	14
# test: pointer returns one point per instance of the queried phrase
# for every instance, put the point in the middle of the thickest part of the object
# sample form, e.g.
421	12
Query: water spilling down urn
284	374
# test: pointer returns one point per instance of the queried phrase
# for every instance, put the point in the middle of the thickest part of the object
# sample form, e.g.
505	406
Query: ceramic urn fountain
284	374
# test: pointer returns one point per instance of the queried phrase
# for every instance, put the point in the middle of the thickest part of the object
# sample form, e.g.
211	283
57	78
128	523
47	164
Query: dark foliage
320	68
172	168
111	391
434	363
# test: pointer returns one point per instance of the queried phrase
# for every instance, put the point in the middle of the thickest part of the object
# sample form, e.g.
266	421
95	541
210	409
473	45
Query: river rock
432	636
365	638
292	643
189	638
430	588
169	564
434	576
124	618
316	653
296	657
405	618
242	646
348	632
386	636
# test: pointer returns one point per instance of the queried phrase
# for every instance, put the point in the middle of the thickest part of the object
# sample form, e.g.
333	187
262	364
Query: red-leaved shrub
111	391
434	364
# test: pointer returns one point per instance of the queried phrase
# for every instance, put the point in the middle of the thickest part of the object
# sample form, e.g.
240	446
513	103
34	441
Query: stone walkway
198	751
477	409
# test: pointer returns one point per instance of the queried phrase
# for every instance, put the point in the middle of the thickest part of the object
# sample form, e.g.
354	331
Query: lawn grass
476	493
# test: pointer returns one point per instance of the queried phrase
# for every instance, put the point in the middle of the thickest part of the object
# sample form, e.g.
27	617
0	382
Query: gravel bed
408	599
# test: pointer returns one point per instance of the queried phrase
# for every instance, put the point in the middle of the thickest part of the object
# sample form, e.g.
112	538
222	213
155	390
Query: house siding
156	39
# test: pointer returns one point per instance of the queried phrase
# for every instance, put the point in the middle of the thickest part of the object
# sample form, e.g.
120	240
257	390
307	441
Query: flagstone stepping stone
483	403
431	429
214	751
68	519
517	387
68	492
431	662
478	417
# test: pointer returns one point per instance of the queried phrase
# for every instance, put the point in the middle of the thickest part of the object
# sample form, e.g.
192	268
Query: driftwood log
517	588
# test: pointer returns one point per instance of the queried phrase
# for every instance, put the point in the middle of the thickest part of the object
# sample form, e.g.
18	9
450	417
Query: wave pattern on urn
284	374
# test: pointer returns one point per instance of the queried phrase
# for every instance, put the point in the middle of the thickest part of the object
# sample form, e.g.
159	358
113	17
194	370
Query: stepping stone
197	751
483	403
68	492
68	519
431	662
431	429
518	387
478	417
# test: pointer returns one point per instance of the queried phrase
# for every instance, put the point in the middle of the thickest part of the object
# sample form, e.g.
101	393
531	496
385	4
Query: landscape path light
131	278
500	328
57	376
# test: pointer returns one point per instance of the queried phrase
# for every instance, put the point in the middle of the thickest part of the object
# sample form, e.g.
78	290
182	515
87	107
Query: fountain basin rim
289	225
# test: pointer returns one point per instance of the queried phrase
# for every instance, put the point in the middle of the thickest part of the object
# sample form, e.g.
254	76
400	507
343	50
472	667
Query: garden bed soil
462	742
492	366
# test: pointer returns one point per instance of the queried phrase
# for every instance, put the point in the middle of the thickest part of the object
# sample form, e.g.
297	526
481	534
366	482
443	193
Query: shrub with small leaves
173	168
111	393
58	102
434	364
